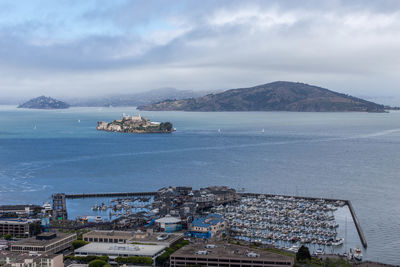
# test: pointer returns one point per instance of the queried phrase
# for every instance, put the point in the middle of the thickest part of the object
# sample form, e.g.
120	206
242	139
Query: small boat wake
380	133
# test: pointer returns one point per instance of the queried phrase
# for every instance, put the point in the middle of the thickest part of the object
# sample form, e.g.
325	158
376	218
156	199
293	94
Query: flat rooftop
14	222
137	237
32	241
109	234
156	238
120	249
226	250
17	256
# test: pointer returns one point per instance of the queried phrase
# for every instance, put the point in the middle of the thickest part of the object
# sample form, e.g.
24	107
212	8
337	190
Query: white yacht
357	254
319	251
98	219
338	242
47	206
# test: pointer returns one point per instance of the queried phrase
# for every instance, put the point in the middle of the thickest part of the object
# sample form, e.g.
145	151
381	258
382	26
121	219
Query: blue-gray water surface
352	156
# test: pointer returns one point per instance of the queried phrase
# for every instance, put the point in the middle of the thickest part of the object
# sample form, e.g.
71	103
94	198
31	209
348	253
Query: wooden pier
347	202
123	194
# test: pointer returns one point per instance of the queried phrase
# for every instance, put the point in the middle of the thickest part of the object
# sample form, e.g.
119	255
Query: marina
288	222
103	209
281	221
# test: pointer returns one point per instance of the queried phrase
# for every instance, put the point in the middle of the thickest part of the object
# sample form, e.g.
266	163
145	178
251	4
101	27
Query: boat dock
123	194
62	206
347	202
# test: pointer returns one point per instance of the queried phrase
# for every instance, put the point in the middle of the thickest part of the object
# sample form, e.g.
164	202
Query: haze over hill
276	96
135	99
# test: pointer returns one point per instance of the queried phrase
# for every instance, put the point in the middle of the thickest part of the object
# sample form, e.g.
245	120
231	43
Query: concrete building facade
45	243
14	228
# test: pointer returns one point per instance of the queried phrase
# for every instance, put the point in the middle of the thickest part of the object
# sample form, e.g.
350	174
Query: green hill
43	102
276	96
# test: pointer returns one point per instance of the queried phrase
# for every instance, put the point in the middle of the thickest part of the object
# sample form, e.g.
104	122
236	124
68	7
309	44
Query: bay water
353	156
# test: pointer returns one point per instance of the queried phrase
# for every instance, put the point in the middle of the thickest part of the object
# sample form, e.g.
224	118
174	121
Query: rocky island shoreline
135	124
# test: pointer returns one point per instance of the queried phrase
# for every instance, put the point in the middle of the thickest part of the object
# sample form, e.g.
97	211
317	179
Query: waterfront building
59	207
19	227
19	210
120	237
120	250
17	259
169	223
207	226
45	243
224	254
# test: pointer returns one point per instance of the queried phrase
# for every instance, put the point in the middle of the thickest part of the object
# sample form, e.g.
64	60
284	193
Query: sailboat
219	130
262	130
34	127
79	121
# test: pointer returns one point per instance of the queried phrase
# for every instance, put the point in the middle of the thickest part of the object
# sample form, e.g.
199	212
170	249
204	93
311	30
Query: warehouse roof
120	249
168	219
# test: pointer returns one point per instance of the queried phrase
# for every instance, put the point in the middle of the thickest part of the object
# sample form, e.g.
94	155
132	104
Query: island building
131	118
45	243
128	237
120	250
169	224
206	227
225	254
19	227
17	259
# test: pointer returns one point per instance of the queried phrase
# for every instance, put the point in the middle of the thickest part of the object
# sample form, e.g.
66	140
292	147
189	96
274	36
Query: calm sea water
352	156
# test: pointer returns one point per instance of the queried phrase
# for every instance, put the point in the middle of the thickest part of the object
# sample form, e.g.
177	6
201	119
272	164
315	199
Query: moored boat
357	254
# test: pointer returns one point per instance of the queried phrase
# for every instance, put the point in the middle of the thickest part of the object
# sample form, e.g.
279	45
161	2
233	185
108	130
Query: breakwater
357	223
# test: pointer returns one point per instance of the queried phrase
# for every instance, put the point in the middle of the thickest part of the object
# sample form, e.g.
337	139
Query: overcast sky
79	48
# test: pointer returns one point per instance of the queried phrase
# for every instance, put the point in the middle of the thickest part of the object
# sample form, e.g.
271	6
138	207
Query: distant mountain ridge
135	99
43	102
275	96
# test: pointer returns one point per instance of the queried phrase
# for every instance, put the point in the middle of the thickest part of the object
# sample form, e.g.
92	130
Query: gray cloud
348	46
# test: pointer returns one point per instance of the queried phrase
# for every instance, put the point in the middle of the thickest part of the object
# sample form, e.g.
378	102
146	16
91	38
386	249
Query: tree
35	228
8	237
303	254
166	126
78	243
97	263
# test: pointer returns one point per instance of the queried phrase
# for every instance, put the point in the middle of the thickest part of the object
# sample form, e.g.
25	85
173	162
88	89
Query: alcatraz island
135	124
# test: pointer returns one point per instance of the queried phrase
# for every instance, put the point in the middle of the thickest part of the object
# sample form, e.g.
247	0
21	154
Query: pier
124	194
347	202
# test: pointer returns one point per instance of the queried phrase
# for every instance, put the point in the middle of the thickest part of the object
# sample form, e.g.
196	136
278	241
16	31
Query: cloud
120	46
